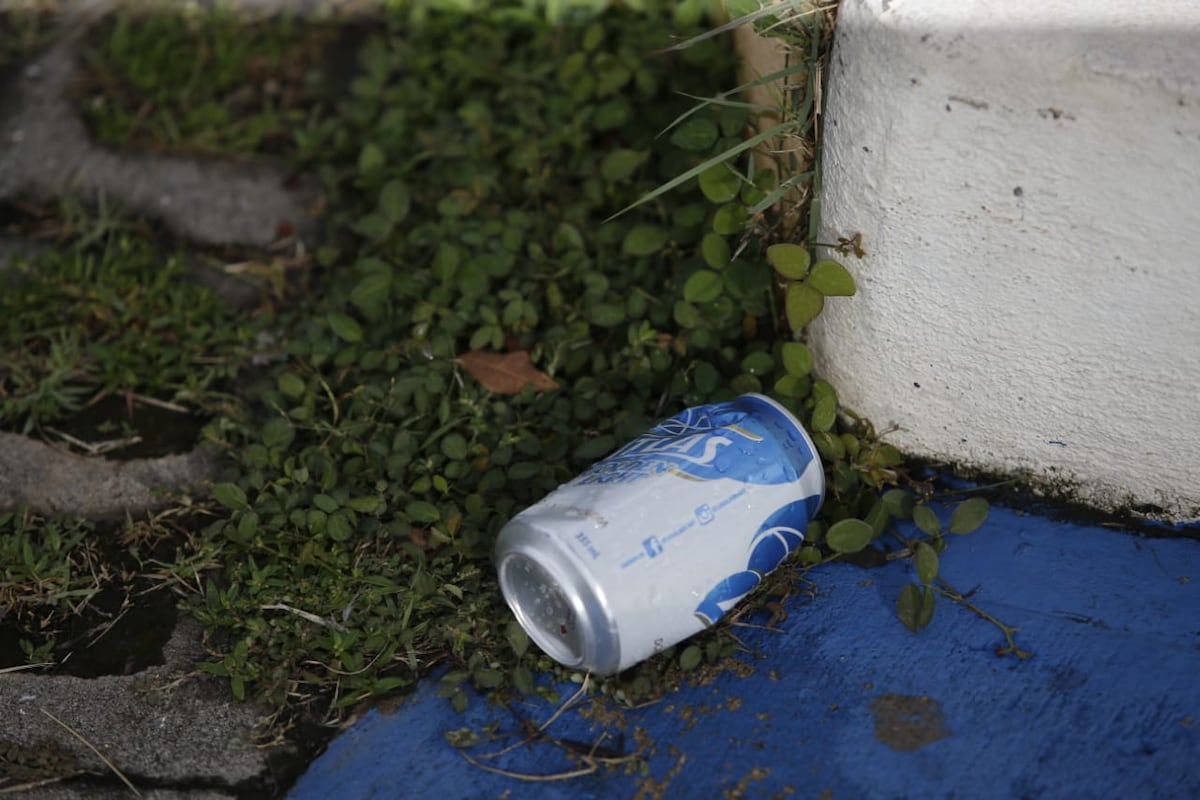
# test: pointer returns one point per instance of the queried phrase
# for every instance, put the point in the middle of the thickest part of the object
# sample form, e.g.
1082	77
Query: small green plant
859	464
479	328
23	31
108	313
162	78
50	570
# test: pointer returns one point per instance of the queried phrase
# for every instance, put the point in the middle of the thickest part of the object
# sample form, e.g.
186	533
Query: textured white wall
1026	177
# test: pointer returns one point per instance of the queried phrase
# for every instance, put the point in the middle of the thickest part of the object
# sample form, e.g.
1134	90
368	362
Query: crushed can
660	539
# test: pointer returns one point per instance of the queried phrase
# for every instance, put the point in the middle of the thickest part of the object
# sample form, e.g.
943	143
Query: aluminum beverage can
657	541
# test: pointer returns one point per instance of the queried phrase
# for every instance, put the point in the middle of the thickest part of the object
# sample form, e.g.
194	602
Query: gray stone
162	726
53	481
45	152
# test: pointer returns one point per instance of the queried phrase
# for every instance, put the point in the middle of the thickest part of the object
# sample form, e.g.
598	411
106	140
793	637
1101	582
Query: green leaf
593	37
422	511
247	526
606	315
367	505
758	363
886	456
645	240
745	384
454	447
593	449
926	559
797	359
370	159
822	389
914	606
927	520
877	517
518	640
620	164
524	470
849	536
345	326
231	496
705	377
824	414
522	679
394	201
715	250
371	293
831	279
703	286
488	678
290	385
373	226
792	386
969	515
695	135
690	658
729	219
278	433
899	503
829	446
803	304
720	183
339	527
789	260
325	503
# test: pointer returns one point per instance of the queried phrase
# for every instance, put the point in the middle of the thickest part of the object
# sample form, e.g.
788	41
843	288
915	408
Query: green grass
108	312
24	31
165	79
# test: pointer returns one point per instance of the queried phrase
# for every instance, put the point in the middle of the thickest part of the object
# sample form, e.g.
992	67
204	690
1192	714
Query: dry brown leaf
506	373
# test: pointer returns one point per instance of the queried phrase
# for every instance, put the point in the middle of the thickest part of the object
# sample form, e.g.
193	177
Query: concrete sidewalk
844	702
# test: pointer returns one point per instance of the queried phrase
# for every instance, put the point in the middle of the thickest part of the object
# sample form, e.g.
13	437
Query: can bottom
544	610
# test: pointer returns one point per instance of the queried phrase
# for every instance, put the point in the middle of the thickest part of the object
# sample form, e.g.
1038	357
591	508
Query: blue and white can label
660	539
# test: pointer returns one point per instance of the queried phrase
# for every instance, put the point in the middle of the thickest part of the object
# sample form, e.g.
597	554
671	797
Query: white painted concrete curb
1026	177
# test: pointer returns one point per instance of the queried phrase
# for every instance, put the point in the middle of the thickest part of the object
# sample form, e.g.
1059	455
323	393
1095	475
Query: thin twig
92	747
1009	631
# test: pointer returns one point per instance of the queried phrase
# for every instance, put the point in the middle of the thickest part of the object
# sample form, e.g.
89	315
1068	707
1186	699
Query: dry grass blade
588	769
23	667
307	615
19	788
93	748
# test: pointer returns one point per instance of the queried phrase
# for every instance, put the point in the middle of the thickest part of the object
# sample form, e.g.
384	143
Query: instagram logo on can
660	539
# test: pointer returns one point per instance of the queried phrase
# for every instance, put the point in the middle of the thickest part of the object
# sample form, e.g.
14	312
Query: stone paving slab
175	735
45	153
164	727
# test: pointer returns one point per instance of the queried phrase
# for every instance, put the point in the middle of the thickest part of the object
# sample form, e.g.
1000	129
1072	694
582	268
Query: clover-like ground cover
470	166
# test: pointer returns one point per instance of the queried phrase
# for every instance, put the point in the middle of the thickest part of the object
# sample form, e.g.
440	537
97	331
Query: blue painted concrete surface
844	702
